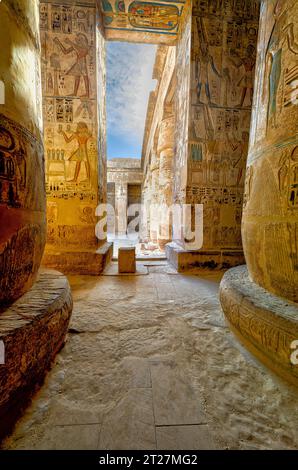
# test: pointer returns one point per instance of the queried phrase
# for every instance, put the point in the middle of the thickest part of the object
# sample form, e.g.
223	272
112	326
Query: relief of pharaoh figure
79	69
80	155
281	34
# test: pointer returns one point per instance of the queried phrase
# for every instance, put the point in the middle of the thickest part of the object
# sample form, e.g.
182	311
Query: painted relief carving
153	15
17	184
273	156
282	36
22	192
72	77
222	70
142	18
80	155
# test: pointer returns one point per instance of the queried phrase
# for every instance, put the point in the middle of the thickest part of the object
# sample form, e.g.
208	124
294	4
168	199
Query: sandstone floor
149	363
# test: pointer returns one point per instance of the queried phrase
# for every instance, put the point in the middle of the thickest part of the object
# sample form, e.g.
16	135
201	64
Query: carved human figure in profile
204	60
246	81
79	69
240	149
281	34
80	155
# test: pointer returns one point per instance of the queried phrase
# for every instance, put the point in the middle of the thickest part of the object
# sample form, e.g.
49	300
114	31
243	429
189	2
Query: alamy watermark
2	92
176	222
2	353
294	355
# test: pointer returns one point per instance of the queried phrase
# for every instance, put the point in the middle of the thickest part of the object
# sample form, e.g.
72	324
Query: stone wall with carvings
182	104
223	52
73	78
158	146
270	218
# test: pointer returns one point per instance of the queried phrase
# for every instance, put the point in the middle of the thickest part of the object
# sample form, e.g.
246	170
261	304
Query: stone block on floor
127	259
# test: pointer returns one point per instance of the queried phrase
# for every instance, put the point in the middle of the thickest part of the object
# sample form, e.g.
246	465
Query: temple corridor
149	363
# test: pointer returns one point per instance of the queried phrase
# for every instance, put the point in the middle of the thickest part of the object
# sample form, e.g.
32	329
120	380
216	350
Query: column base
185	260
71	261
33	330
266	324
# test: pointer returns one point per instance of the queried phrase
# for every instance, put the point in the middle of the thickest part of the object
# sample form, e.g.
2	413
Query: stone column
34	324
154	200
121	208
22	192
73	79
260	300
166	154
216	64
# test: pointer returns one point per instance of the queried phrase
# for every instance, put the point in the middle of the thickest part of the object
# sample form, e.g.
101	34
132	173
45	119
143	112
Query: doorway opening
134	73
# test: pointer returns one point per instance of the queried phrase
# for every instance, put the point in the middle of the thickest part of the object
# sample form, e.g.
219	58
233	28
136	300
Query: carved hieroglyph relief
73	57
223	53
270	219
157	21
182	102
22	194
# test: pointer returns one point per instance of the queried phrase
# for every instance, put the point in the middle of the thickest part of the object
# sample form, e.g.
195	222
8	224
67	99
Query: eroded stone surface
22	195
266	323
33	330
120	327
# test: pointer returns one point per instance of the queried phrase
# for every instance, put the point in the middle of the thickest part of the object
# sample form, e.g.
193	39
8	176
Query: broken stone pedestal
127	260
32	331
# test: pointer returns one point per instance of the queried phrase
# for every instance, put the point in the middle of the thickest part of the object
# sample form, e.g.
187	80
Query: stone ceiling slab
154	22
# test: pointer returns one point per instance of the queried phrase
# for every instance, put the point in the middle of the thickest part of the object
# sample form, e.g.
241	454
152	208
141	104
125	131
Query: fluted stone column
260	301
121	207
166	155
22	192
154	218
34	324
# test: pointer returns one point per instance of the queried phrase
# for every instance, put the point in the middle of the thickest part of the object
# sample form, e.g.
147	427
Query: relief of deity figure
79	69
246	82
280	35
202	62
241	148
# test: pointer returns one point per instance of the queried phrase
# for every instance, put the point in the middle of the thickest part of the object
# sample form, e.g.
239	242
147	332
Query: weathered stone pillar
73	81
121	208
166	154
259	301
154	200
22	192
216	65
34	325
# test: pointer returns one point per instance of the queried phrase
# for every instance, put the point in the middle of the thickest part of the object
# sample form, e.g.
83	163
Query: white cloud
129	82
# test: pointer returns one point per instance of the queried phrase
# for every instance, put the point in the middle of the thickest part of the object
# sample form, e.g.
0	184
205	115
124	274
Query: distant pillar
166	154
121	201
22	191
154	200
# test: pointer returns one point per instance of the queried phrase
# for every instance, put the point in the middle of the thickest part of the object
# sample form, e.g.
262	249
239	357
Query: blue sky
129	82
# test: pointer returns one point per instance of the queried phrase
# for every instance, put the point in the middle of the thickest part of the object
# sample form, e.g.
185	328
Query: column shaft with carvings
22	192
166	155
154	200
260	300
121	201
